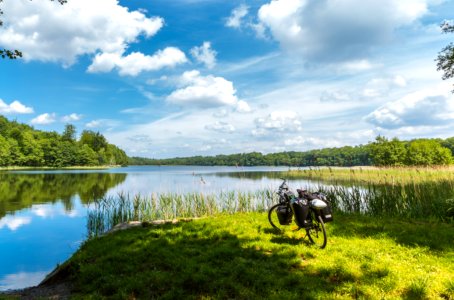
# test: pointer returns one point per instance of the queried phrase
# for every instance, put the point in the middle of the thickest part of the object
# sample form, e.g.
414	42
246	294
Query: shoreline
21	168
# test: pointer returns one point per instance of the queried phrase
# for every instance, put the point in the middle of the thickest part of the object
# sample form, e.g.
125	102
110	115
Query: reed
105	213
429	200
390	175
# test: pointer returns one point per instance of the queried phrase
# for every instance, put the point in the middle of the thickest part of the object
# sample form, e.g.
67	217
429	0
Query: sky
164	78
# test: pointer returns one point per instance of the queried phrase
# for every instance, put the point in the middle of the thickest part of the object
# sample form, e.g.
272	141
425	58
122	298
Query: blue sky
204	77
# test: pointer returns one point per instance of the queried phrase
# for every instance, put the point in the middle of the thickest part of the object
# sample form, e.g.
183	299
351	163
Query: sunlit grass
238	256
374	175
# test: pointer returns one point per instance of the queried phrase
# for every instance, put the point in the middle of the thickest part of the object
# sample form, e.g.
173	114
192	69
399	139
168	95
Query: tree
69	134
445	59
388	153
14	54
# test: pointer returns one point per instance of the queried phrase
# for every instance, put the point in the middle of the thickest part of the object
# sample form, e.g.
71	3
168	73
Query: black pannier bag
327	212
300	208
284	214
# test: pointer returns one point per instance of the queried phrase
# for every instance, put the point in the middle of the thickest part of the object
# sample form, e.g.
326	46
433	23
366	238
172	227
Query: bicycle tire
316	232
273	219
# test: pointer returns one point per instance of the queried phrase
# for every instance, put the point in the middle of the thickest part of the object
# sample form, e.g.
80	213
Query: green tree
445	59
425	152
69	134
388	153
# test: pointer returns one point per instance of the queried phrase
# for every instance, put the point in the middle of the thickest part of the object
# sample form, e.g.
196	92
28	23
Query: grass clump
238	256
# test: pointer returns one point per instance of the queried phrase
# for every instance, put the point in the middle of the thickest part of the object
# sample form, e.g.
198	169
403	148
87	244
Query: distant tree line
22	145
381	152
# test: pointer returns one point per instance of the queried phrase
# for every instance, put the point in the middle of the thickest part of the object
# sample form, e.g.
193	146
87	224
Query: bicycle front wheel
316	232
273	218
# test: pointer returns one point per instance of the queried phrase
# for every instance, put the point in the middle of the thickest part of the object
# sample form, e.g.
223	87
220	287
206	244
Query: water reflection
21	279
19	191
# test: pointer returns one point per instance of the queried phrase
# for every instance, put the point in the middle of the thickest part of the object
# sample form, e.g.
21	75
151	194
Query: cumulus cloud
14	107
71	118
47	31
203	91
136	62
204	54
422	108
337	30
243	107
278	121
44	119
220	126
237	15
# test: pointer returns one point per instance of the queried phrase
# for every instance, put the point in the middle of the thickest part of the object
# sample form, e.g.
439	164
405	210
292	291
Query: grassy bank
374	175
239	257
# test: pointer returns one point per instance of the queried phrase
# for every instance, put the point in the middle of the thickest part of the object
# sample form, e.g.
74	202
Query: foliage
21	145
445	59
239	257
381	152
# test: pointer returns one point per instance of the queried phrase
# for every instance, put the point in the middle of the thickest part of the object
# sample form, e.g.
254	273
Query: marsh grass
374	175
238	256
105	213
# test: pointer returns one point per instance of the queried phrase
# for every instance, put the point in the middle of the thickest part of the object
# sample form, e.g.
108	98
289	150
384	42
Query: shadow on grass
435	236
192	260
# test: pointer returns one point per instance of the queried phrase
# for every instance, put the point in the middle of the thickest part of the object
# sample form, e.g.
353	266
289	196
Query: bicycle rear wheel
316	232
273	218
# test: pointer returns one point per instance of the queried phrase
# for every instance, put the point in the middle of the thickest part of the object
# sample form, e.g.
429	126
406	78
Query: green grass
239	257
375	175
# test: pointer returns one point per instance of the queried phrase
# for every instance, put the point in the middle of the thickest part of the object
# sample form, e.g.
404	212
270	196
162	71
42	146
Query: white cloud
136	62
382	86
93	124
237	16
44	119
311	142
71	118
334	96
243	107
221	113
434	106
220	126
278	121
204	91
337	30
47	31
13	223
14	107
204	54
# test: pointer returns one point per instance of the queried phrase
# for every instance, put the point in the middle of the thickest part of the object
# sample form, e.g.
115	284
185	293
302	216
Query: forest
381	152
22	145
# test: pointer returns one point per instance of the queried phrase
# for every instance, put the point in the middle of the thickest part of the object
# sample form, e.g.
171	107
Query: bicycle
313	221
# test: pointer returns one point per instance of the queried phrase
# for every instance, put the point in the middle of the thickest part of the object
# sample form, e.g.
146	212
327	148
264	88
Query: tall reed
105	213
426	200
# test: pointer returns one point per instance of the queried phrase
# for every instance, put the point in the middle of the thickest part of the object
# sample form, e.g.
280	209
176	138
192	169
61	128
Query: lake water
43	213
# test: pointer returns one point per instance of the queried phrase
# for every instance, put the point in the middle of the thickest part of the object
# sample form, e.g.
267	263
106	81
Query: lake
43	214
